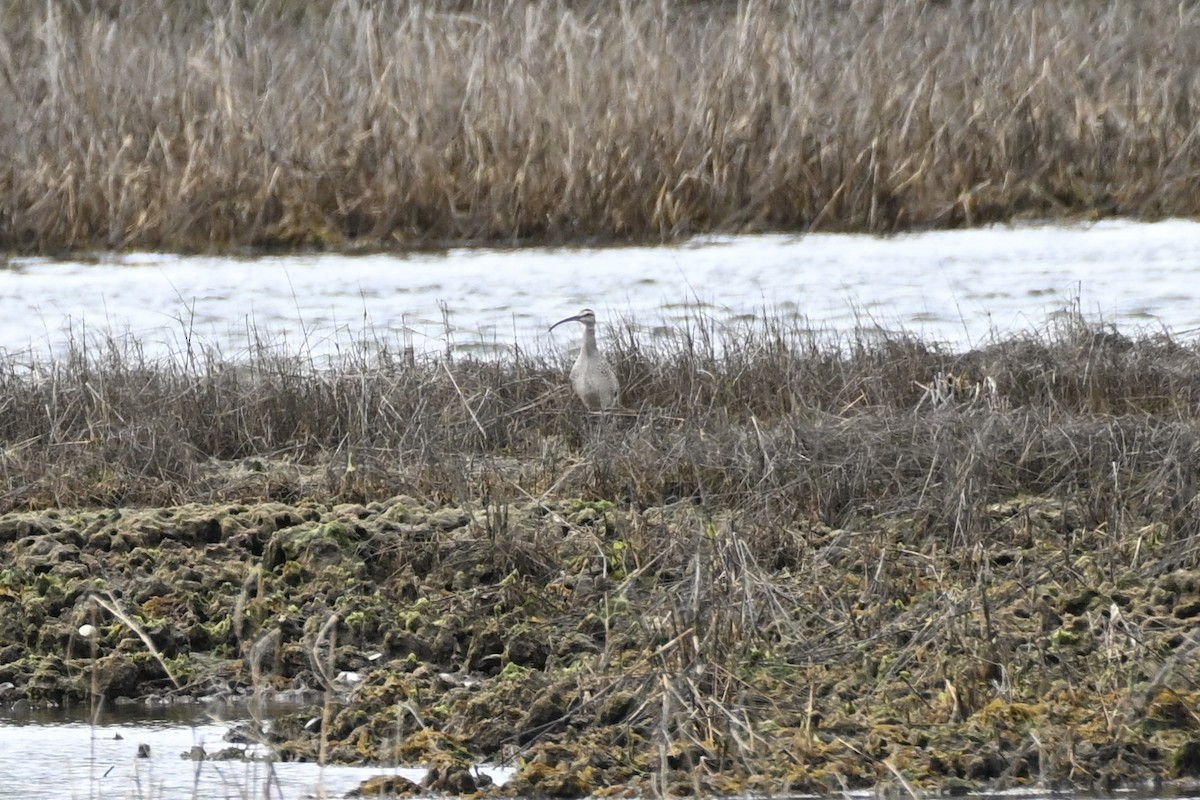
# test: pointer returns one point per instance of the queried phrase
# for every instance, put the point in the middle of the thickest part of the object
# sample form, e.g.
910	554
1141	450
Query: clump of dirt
606	649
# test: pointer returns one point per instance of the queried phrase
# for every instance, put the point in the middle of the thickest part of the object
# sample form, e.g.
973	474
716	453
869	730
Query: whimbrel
592	376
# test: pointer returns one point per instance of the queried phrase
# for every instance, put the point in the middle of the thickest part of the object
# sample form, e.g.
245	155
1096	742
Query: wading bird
592	377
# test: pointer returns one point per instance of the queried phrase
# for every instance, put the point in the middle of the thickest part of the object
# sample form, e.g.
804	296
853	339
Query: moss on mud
605	649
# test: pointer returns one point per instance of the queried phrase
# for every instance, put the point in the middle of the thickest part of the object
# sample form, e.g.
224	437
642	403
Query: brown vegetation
766	417
159	124
790	560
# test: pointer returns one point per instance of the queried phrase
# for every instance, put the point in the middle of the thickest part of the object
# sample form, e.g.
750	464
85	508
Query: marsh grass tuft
158	124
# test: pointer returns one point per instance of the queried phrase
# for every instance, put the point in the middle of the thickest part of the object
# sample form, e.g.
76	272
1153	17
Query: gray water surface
54	755
958	287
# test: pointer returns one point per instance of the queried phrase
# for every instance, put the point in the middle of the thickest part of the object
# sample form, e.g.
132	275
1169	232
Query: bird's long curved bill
568	319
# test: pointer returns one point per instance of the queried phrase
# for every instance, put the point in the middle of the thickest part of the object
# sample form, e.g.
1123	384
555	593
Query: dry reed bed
770	419
159	124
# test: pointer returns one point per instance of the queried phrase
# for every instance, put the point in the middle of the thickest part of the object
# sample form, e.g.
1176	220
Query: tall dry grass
158	124
770	419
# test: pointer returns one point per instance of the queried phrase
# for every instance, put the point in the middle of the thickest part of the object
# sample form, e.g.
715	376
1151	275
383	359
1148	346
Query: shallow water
56	757
957	287
53	756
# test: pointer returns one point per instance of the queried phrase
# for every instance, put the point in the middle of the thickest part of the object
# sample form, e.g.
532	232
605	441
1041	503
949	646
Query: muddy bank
603	648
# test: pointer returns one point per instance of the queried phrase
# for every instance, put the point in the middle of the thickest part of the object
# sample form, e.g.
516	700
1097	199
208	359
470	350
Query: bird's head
587	317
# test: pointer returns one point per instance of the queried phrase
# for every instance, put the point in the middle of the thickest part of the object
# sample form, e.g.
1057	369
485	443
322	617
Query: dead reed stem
113	606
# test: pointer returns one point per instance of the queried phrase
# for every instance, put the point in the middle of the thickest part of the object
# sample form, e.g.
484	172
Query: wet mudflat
563	643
